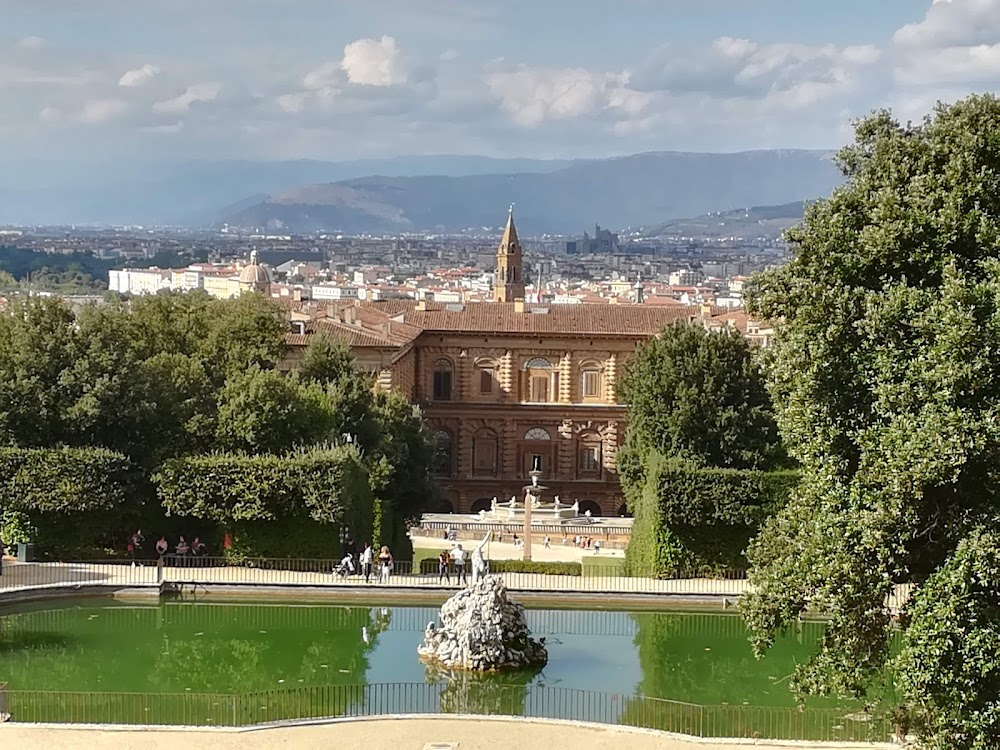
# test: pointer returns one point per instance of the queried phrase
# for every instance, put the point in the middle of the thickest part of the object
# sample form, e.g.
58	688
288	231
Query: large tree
698	395
888	393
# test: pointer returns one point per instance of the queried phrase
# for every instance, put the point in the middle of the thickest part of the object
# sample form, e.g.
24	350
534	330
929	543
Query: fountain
540	512
481	630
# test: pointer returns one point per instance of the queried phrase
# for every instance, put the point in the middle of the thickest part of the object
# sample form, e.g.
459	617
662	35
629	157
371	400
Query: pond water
223	648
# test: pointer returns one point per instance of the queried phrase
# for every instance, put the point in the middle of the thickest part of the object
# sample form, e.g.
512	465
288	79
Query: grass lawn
599	565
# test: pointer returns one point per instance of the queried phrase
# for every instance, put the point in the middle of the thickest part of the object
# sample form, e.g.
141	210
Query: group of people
457	557
366	560
181	549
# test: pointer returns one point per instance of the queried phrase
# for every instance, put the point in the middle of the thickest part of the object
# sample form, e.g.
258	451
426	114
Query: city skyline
112	80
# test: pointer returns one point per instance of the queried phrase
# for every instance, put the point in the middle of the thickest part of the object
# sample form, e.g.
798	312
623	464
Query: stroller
345	568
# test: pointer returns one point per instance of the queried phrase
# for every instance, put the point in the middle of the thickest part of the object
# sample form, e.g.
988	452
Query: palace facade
503	384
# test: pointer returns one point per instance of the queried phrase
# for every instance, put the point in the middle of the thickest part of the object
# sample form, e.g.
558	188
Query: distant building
603	241
503	384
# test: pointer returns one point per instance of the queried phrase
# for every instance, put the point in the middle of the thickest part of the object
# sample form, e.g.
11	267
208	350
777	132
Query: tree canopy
177	376
699	395
887	391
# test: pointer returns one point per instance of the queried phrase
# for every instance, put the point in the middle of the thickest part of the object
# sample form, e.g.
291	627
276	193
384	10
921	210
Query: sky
119	80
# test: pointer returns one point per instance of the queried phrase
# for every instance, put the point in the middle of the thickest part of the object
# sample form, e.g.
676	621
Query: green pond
349	659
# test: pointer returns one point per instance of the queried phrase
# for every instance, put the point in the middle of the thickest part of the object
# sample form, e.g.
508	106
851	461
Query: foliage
263	411
698	395
948	666
329	486
173	376
884	373
67	499
693	519
327	361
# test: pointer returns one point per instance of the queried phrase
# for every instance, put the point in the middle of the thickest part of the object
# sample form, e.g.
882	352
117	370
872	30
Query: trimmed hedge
695	519
68	501
272	505
428	566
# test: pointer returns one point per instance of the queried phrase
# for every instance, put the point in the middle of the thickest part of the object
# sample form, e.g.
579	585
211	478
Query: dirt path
405	734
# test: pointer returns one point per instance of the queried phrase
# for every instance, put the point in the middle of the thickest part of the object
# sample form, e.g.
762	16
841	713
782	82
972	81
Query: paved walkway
39	575
399	734
22	576
558	552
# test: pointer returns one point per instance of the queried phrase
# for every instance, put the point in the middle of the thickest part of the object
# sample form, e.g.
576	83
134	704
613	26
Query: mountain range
424	193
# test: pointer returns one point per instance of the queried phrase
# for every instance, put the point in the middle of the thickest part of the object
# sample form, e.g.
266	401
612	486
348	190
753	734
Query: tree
948	664
887	391
263	411
699	395
327	361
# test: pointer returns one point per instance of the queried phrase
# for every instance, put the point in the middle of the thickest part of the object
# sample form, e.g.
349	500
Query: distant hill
193	193
756	221
621	192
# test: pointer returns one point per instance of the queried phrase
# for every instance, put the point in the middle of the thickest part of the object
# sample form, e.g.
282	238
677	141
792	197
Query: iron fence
325	573
468	697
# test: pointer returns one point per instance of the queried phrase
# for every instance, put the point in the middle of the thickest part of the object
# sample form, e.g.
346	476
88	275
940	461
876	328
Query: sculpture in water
478	561
481	630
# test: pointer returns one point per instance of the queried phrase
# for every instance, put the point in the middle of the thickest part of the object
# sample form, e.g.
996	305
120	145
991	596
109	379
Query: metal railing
460	697
324	573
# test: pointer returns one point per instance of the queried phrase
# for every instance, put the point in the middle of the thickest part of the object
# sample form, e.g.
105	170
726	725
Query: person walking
444	562
384	564
548	542
458	555
366	562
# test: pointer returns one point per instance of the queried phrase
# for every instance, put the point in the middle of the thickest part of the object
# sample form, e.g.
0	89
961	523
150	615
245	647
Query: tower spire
509	282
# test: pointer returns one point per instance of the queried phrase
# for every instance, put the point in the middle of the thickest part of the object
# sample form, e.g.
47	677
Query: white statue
482	515
513	501
478	562
576	507
557	502
587	514
493	506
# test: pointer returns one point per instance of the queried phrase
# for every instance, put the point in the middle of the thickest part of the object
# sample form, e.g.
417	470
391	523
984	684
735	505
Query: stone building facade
503	384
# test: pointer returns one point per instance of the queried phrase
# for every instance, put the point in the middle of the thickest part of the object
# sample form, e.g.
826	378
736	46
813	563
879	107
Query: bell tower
509	282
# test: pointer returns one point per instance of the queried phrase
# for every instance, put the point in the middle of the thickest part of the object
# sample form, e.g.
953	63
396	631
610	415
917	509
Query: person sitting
181	548
197	547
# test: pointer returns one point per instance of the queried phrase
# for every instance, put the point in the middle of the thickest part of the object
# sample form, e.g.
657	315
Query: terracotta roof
500	317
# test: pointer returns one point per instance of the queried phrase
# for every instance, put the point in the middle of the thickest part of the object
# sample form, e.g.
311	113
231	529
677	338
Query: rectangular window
485	462
590	458
540	388
591	384
486	380
442	385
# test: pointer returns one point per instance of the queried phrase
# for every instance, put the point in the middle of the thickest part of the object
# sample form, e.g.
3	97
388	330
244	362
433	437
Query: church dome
254	276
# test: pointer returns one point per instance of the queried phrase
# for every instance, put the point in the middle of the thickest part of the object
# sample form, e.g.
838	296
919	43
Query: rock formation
481	630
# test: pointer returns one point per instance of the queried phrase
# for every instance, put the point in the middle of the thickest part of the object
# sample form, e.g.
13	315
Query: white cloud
373	62
201	92
953	23
102	110
31	42
533	95
139	76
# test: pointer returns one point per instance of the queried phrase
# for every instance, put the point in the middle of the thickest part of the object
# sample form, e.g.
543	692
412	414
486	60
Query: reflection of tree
699	676
481	693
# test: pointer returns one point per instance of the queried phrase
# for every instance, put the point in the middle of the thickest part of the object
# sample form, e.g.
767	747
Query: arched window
538	363
589	455
445	453
538	451
593	507
537	433
443	370
485	450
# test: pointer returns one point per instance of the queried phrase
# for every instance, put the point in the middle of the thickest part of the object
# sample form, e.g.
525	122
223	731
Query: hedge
695	519
271	505
68	501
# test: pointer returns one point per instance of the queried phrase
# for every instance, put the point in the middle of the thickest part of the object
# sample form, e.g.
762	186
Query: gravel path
405	734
